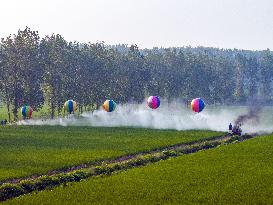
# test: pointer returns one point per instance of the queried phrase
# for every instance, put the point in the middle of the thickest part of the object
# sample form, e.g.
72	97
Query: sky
241	24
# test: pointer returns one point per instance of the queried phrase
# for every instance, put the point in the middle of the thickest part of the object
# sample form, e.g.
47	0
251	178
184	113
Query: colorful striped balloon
70	106
153	102
197	105
109	105
26	112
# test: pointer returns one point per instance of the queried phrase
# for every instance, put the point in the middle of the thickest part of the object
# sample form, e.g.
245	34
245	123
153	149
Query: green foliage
80	174
65	178
170	153
21	71
50	70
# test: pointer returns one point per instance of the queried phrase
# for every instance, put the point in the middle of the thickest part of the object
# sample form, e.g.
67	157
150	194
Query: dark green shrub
193	148
186	150
66	177
116	166
209	145
123	165
47	182
79	175
100	170
8	191
170	153
27	185
136	162
104	169
147	157
155	158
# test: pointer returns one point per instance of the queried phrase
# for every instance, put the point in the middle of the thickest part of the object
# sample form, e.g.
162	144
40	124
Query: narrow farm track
16	187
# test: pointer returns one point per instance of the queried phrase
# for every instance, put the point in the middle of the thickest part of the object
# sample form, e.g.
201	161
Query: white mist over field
167	116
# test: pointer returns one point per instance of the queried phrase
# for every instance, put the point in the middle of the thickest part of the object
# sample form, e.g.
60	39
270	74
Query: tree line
36	71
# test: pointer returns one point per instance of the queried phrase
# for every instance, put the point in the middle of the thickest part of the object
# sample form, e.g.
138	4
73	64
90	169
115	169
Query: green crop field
27	150
233	174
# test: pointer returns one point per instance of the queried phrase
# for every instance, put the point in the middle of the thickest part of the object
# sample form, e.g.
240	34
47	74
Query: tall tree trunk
80	109
8	108
15	109
7	101
52	107
15	104
59	109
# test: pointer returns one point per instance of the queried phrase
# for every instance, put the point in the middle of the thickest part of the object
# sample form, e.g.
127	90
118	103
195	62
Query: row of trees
50	70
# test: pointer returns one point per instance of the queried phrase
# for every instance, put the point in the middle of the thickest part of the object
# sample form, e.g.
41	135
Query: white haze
168	116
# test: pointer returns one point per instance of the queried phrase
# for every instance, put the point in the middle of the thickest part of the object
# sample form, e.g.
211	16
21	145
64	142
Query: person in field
4	122
230	128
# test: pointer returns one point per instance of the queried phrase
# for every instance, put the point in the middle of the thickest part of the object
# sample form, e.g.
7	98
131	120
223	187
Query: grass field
42	113
26	150
234	174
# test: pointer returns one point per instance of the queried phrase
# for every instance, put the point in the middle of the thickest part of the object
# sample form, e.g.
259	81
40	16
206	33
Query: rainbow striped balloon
109	105
70	106
153	102
26	112
197	105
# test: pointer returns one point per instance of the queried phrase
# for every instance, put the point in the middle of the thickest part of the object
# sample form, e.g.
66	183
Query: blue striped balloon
70	106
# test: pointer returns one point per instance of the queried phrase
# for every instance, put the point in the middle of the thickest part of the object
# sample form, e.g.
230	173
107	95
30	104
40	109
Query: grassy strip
9	190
